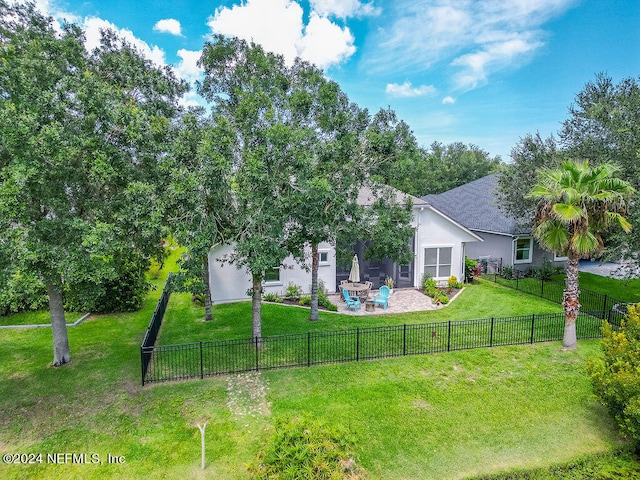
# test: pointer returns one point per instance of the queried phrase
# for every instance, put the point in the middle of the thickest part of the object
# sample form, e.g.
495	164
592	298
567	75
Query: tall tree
327	181
576	204
604	126
530	156
253	92
82	135
197	197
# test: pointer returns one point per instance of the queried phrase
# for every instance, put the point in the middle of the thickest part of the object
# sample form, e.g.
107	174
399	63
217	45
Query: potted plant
389	283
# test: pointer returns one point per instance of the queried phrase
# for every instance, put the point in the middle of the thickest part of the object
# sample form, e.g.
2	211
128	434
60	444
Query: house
475	205
439	244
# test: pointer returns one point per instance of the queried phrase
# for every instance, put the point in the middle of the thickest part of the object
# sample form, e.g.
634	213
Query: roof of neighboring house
475	205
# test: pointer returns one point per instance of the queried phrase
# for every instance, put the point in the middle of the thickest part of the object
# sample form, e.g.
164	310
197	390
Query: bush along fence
202	359
593	303
153	329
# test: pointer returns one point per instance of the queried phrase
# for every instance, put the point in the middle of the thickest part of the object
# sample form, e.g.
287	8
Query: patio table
359	290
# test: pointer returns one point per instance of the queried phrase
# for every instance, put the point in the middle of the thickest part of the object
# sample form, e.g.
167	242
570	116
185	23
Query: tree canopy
576	205
82	135
602	127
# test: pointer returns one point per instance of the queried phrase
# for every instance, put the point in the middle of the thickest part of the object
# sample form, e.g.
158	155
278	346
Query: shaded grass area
40	317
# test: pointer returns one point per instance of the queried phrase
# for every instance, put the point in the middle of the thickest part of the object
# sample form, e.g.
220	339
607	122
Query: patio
401	301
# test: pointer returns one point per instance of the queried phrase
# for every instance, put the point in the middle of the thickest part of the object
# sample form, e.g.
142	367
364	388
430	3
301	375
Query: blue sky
485	72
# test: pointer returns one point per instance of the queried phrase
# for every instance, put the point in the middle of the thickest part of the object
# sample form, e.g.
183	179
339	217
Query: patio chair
351	300
382	298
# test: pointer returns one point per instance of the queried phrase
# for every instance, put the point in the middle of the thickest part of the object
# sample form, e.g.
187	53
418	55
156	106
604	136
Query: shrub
272	297
546	271
453	282
471	269
306	301
506	272
616	377
428	282
444	299
304	448
294	292
22	292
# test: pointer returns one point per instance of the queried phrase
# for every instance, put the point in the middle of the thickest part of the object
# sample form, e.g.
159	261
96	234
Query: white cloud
187	68
407	90
343	8
278	26
169	25
475	37
93	25
325	43
448	100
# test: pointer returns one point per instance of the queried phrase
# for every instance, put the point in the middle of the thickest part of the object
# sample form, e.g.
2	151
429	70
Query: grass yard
445	416
185	323
625	290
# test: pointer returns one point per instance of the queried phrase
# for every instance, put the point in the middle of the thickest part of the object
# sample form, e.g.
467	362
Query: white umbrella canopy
354	275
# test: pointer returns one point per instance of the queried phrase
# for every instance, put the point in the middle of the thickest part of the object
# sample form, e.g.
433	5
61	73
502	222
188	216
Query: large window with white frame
437	261
523	250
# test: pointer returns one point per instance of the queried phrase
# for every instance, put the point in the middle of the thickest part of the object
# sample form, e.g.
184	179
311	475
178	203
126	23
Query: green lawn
445	416
625	290
185	323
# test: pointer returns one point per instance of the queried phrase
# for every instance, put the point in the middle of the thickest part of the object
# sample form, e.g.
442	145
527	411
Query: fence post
517	281
357	344
142	365
533	325
257	364
449	337
491	334
201	363
542	287
308	348
404	340
604	307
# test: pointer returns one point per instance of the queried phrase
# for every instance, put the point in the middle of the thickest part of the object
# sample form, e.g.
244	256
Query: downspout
417	253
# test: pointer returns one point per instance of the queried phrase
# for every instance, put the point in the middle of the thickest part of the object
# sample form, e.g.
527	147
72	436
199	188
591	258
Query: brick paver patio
401	301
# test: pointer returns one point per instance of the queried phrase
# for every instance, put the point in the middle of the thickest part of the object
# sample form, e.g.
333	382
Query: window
437	261
557	258
272	275
323	258
524	250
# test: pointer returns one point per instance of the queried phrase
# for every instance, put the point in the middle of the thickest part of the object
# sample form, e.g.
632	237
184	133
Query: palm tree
576	204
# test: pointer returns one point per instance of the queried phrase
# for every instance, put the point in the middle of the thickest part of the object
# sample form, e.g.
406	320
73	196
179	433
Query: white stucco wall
229	284
436	230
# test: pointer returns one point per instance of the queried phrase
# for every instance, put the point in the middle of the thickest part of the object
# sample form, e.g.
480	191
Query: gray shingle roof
475	206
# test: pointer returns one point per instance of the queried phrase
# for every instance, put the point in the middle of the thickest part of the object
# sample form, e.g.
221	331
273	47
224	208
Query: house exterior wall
494	246
230	284
433	230
503	247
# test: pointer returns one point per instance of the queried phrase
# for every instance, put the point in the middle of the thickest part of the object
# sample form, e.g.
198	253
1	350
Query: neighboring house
439	245
475	205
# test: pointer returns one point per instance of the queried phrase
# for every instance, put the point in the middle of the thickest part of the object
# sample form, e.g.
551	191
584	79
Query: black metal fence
202	359
592	303
153	329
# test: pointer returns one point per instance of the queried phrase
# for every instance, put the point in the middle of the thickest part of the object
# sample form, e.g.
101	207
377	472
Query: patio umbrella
354	275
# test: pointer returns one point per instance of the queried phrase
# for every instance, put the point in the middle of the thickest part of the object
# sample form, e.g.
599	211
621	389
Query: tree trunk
314	283
571	303
256	306
207	292
61	351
